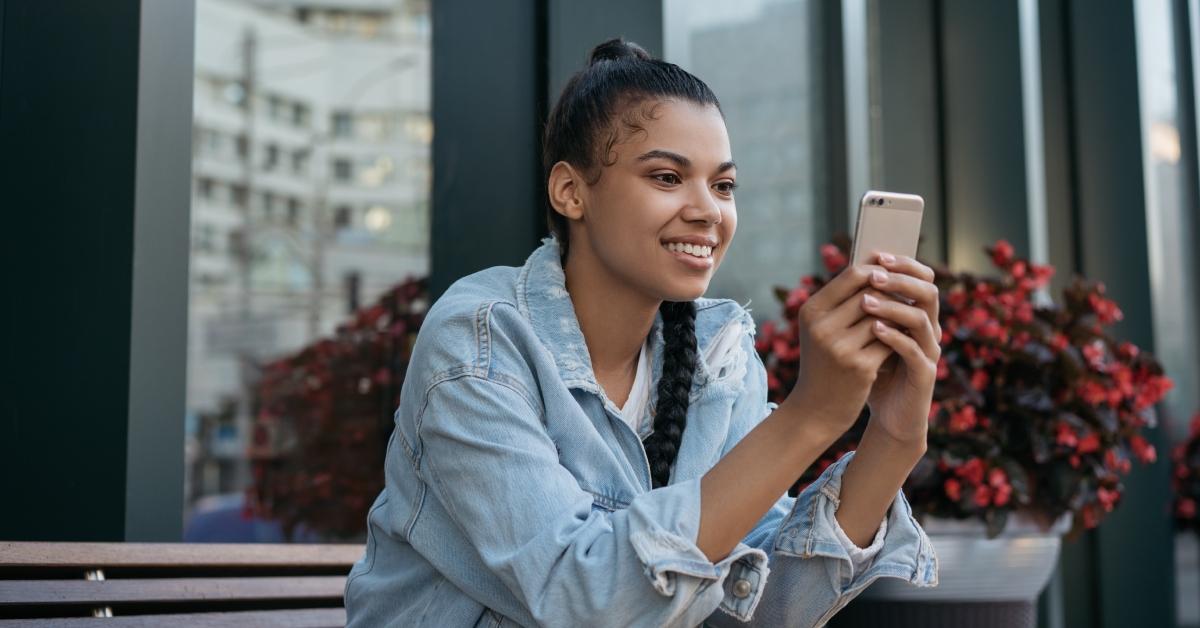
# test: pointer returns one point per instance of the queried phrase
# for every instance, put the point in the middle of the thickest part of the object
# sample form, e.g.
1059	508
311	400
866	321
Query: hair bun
617	49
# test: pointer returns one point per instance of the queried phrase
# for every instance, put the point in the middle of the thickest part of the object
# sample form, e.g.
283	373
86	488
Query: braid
674	387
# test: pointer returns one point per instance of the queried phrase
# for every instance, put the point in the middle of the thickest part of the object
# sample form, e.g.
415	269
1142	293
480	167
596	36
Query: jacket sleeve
812	573
486	456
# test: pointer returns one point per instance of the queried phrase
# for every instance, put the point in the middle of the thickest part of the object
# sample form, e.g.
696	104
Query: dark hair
581	130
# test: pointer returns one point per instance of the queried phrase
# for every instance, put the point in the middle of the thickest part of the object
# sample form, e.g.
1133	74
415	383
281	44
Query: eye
727	187
671	175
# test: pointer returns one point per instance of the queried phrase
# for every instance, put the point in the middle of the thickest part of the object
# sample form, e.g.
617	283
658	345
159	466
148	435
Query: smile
694	250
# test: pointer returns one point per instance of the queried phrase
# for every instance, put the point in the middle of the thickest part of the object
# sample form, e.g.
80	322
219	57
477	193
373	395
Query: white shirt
639	396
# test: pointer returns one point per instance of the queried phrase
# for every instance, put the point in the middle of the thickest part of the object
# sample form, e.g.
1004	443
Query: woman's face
671	185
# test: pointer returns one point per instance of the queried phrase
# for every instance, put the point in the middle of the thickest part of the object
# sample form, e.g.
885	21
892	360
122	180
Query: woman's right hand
839	354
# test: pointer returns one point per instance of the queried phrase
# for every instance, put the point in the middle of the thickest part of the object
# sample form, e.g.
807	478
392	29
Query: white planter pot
1013	567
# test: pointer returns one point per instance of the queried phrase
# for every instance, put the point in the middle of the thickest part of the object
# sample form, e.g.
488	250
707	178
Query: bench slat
100	592
304	618
167	555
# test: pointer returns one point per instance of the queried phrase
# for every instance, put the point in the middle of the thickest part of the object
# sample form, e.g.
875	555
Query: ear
567	190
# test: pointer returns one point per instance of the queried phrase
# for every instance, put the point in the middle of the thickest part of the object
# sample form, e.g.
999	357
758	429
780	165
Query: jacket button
741	588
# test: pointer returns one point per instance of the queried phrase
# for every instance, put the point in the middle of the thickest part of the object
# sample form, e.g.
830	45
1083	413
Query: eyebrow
680	160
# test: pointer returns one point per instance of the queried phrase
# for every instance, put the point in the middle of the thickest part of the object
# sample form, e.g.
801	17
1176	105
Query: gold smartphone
888	222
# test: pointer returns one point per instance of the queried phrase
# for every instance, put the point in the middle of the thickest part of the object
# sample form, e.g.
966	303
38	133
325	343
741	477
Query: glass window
763	58
299	160
271	159
275	244
343	217
343	124
343	169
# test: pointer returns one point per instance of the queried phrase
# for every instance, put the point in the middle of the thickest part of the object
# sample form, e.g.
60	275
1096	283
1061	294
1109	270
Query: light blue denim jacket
516	495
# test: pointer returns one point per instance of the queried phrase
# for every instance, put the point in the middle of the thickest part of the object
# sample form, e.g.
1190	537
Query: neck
614	318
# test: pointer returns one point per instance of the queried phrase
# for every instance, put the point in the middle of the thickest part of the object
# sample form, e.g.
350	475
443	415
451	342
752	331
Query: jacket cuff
669	554
811	529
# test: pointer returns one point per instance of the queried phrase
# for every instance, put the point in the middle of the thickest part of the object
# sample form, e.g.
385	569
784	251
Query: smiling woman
587	438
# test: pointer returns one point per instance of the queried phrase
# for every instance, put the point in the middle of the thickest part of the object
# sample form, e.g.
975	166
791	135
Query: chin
686	292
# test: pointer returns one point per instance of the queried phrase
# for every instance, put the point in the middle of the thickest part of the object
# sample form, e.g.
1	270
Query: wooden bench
173	584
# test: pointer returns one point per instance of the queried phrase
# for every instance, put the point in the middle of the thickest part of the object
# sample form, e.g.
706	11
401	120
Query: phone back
887	221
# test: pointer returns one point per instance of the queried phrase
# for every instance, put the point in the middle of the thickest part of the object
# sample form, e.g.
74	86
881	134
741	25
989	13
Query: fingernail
887	258
879	326
870	301
878	276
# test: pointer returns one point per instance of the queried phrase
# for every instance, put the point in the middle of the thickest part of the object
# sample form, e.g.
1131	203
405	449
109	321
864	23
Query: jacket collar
543	298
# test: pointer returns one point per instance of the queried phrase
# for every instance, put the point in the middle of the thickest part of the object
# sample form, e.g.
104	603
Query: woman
586	440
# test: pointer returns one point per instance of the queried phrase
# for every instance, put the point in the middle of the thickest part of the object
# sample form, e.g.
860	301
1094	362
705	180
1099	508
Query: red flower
979	379
1094	353
957	299
983	495
953	489
1002	253
1112	461
1024	312
963	419
997	477
1186	508
1003	493
832	257
1041	274
1018	269
1127	351
1066	436
1105	309
1092	393
971	471
1059	341
943	370
1089	443
1143	450
1107	498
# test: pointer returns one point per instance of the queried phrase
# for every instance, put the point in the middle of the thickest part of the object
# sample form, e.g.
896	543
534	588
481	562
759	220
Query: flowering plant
1185	479
324	416
1036	408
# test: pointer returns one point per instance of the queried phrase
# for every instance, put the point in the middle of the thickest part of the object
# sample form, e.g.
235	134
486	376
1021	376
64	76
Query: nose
703	207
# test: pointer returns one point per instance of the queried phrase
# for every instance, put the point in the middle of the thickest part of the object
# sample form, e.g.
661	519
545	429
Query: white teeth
691	249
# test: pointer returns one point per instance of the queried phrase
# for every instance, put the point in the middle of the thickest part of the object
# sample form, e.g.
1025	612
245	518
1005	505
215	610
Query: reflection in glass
302	114
763	59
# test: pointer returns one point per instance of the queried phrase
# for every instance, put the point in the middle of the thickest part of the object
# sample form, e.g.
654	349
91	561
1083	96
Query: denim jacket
516	495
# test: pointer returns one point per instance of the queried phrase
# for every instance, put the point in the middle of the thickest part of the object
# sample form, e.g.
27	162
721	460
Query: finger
918	364
858	336
848	313
909	317
842	287
877	352
905	264
922	293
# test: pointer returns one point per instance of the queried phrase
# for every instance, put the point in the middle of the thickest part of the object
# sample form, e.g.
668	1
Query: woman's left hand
901	396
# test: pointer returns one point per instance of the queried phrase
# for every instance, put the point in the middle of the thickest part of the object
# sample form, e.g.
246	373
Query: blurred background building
311	171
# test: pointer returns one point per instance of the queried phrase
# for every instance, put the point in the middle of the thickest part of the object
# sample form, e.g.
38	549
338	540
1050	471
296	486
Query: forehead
692	130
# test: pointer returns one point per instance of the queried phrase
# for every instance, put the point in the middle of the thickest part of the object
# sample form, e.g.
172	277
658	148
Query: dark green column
1133	548
95	132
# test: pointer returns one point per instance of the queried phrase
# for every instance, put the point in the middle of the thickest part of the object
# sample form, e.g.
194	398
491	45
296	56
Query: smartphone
888	222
